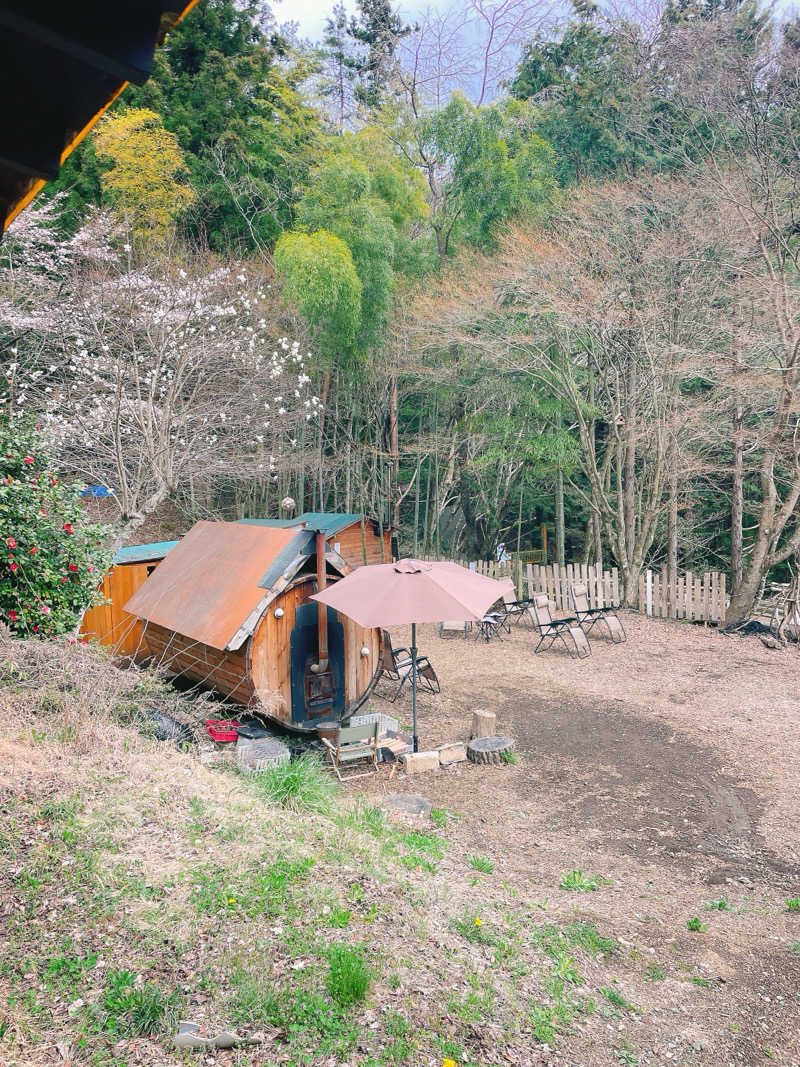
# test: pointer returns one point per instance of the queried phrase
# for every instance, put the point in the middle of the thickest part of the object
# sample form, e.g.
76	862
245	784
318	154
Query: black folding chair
397	667
590	617
550	630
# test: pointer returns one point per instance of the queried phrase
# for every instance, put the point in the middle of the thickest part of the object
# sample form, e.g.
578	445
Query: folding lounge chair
567	631
590	617
453	628
354	745
514	609
397	667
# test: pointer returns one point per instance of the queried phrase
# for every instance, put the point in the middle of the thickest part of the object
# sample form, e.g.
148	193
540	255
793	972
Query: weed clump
303	784
348	977
128	1010
577	881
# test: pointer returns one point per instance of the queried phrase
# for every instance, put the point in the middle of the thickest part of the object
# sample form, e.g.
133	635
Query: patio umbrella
412	590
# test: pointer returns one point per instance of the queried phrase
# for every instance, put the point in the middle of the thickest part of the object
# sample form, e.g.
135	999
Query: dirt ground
668	765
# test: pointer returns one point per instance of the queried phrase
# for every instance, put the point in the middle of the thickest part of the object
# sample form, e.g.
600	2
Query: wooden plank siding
109	624
269	651
183	657
352	548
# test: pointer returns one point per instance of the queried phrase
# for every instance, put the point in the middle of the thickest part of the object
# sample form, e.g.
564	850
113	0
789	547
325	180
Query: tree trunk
737	488
394	454
133	522
560	548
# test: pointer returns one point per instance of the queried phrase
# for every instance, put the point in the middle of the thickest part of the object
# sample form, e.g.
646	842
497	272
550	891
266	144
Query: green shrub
52	558
695	925
793	904
300	785
348	977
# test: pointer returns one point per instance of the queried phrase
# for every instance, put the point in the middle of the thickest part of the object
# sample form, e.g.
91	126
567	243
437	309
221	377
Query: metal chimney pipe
322	611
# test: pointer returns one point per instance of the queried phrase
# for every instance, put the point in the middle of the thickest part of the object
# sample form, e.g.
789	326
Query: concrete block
455	752
419	762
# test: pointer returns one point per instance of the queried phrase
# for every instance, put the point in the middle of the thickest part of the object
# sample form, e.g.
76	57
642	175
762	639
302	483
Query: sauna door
316	697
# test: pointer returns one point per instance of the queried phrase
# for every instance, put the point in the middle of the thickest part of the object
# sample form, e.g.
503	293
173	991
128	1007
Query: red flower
14	567
89	569
35	629
68	527
28	460
34	550
11	542
74	568
63	578
45	609
13	616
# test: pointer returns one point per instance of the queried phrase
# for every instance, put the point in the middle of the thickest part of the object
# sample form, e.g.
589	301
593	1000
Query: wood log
483	723
490	749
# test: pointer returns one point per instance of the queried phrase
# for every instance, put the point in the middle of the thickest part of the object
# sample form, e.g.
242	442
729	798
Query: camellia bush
52	559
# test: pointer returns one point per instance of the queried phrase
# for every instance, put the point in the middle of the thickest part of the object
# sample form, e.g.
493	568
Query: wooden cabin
228	607
356	539
108	623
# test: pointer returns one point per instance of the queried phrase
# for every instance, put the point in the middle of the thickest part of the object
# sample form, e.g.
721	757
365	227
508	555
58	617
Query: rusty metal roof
208	584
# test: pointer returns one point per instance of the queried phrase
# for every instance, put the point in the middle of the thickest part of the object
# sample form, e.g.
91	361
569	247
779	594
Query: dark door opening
316	696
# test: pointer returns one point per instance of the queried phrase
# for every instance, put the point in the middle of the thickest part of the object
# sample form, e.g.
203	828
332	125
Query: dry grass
128	856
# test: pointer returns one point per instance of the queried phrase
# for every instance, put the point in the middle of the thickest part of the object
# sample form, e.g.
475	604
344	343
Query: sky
311	14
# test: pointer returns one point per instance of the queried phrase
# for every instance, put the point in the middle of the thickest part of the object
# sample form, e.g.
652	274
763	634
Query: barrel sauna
229	608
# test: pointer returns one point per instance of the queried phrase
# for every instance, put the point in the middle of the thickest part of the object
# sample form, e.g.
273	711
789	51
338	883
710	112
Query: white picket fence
532	578
698	597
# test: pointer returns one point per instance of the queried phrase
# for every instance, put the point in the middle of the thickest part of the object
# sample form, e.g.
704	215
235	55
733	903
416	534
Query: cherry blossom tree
157	379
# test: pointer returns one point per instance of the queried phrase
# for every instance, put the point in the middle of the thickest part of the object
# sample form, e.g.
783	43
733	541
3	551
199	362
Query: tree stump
483	723
489	749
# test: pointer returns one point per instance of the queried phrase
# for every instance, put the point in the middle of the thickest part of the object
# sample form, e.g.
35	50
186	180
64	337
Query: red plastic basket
223	729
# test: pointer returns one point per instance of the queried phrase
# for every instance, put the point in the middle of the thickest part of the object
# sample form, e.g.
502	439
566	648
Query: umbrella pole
414	685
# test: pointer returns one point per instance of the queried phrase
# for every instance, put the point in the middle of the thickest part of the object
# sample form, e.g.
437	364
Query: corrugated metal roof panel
209	583
278	524
329	522
302	545
143	553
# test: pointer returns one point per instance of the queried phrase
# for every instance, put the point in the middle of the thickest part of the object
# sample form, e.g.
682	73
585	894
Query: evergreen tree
377	28
339	67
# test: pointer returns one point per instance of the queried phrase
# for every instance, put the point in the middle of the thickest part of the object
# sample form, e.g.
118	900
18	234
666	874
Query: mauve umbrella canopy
392	594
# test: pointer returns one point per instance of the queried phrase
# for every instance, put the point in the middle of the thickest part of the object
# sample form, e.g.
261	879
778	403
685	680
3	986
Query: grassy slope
142	887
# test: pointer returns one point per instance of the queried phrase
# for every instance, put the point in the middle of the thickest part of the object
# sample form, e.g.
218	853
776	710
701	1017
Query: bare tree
159	378
735	87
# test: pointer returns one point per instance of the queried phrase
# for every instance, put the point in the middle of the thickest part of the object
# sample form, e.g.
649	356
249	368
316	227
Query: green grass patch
696	926
554	940
302	784
482	864
578	882
719	905
655	973
262	889
793	904
474	929
130	1010
440	818
614	997
337	917
509	757
348	977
